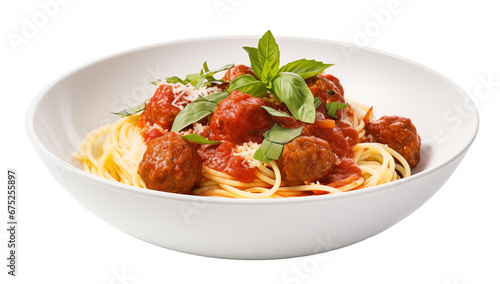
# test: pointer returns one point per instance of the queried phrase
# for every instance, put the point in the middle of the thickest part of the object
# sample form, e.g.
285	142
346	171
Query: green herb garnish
291	89
286	83
132	110
204	78
333	107
317	102
274	112
193	137
196	110
274	141
248	84
305	68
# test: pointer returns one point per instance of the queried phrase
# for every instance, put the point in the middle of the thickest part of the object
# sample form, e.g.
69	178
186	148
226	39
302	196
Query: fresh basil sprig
286	83
204	78
333	107
274	141
196	110
132	110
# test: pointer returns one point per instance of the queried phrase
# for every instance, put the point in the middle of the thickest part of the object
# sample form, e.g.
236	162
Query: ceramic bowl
82	100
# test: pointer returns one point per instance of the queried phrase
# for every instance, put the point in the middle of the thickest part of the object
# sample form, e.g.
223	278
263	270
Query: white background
452	239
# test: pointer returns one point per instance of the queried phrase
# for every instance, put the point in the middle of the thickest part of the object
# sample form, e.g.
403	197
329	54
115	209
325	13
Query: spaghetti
114	152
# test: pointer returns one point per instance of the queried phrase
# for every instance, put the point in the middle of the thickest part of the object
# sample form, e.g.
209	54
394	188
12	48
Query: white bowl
63	113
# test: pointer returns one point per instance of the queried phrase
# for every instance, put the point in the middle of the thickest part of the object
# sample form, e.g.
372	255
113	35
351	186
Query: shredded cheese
186	132
185	94
199	128
246	151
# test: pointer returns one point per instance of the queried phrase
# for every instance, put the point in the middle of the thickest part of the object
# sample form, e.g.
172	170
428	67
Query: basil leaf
333	107
198	81
132	110
317	102
210	82
280	135
208	75
269	57
220	69
174	80
274	112
216	98
305	68
248	84
274	151
291	89
192	115
274	141
193	77
205	67
268	151
196	110
193	137
253	54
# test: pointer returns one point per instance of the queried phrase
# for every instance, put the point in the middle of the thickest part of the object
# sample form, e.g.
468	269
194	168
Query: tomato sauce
341	137
219	157
240	118
344	173
149	133
236	71
159	109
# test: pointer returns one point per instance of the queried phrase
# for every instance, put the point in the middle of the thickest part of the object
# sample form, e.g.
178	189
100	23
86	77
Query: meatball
170	164
327	91
159	109
240	118
236	71
340	138
335	81
398	133
306	159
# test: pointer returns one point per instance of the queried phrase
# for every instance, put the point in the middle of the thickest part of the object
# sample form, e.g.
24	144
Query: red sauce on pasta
219	157
240	118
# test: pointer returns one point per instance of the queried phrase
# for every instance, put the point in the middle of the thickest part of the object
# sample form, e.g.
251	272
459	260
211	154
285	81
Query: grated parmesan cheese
199	128
246	151
186	132
185	94
156	126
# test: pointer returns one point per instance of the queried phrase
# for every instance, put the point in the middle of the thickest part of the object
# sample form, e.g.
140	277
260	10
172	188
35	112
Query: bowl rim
30	113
